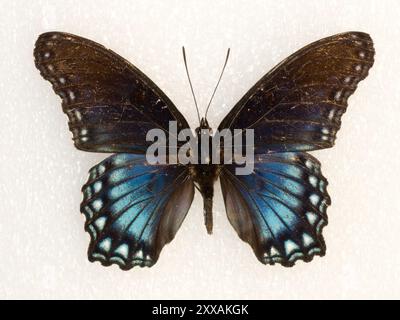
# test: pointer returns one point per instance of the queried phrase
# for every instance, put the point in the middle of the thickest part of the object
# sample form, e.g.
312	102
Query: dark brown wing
298	105
110	103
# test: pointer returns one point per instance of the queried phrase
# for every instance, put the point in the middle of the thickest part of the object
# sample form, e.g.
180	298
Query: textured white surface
42	242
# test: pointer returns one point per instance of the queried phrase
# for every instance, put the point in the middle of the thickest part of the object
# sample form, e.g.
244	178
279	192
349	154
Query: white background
42	241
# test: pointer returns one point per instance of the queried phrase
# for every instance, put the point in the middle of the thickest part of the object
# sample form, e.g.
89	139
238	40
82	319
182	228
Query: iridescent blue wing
110	103
133	209
279	209
298	105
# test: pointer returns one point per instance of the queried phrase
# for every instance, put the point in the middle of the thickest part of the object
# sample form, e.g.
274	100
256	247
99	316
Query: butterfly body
133	208
205	174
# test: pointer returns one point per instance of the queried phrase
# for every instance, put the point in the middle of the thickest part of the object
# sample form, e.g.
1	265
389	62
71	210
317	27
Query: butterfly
133	209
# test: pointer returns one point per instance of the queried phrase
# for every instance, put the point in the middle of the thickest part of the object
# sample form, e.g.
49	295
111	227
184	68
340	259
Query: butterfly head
204	124
204	127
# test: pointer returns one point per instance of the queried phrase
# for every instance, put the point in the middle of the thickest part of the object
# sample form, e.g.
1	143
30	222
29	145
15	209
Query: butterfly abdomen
204	176
208	218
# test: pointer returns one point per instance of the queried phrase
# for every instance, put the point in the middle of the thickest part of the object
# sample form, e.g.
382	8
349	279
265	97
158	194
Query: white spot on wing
274	252
290	247
101	169
88	212
97	186
84	132
78	115
325	130
309	164
311	217
314	199
93	232
307	240
97	204
138	255
338	95
320	225
71	95
123	250
105	245
313	181
100	223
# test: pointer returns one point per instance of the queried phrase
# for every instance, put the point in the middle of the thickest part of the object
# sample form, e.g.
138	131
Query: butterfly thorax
205	174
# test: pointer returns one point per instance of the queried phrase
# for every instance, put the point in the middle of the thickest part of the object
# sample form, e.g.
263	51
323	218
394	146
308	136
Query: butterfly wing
298	105
133	209
279	209
110	103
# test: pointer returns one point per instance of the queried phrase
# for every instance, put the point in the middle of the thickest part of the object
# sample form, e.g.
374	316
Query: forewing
298	105
133	209
279	209
110	104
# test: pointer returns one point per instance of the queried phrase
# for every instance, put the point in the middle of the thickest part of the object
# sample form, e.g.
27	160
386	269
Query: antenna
190	83
220	77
